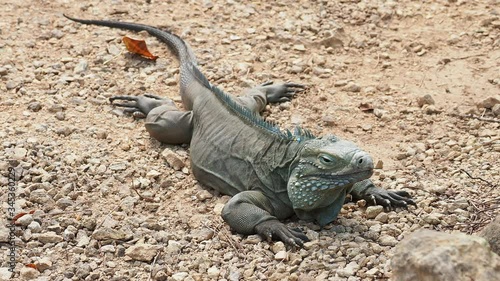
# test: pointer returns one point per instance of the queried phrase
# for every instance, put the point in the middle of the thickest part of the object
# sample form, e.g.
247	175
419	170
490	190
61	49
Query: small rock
43	263
387	240
48	237
70	233
373	211
433	218
5	274
173	247
179	276
28	273
299	47
142	252
340	83
496	109
35	227
352	87
203	195
489	102
172	159
60	116
118	166
281	255
24	220
328	120
4	234
35	106
332	42
19	153
105	233
431	109
427	99
213	272
348	271
64	203
379	165
278	247
108	249
81	66
382	217
203	234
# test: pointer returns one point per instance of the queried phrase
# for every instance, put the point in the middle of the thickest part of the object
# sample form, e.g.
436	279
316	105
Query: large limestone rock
428	255
492	234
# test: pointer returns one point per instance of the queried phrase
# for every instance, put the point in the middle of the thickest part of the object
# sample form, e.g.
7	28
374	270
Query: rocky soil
415	83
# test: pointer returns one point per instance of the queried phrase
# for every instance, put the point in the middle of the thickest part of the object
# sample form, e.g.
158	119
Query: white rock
179	276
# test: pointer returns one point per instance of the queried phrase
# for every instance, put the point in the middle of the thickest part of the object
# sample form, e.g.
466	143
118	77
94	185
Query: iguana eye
326	159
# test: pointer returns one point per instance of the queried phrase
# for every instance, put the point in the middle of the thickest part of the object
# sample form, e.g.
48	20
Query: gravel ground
415	84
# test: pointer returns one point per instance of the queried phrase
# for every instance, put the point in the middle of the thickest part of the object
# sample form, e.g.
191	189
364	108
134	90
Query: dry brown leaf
138	47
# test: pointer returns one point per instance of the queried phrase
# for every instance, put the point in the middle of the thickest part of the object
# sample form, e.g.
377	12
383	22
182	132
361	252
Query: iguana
271	173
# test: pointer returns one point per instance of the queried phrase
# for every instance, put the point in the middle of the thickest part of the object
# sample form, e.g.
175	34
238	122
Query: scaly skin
271	174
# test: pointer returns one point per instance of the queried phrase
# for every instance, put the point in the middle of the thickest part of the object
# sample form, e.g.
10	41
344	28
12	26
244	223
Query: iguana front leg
257	98
251	212
388	199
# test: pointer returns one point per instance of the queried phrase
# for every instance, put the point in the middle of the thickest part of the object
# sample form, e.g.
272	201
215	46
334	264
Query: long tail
178	46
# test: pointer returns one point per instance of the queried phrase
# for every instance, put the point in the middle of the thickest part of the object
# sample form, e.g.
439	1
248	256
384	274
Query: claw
295	85
267	83
125	105
127	98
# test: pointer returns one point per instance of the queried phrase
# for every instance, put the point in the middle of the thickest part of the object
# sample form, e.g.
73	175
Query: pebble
374	211
173	247
105	233
213	272
35	227
489	102
81	66
142	252
24	220
387	240
349	270
48	237
108	249
5	274
35	106
179	276
28	273
352	87
426	99
496	109
172	159
43	264
281	255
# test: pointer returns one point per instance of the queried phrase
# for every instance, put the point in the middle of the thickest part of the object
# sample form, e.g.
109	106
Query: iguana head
325	169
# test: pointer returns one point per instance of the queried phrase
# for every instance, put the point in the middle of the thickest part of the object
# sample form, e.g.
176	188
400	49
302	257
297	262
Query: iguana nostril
362	160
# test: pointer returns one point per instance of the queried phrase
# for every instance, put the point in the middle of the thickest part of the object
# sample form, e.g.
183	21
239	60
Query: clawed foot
274	229
391	200
281	92
139	106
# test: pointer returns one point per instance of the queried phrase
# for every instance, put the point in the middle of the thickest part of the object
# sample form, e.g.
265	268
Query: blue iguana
270	173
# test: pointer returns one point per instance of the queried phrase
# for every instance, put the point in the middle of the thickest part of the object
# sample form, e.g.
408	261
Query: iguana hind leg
257	98
164	121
